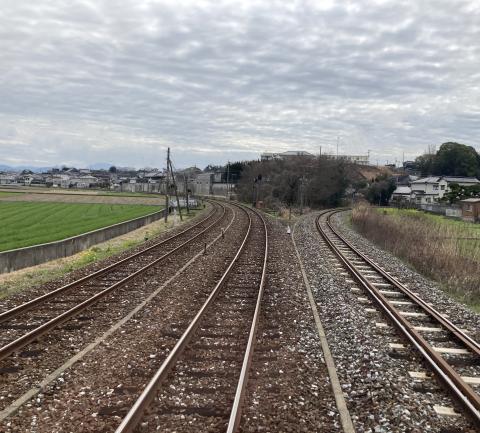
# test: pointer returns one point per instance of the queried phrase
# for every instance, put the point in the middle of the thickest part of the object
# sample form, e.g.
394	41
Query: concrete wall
29	256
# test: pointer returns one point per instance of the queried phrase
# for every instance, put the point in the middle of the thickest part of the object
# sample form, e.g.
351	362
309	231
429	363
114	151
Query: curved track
205	375
27	322
418	321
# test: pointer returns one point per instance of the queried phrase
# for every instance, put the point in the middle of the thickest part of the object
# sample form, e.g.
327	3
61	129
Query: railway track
456	363
29	321
201	384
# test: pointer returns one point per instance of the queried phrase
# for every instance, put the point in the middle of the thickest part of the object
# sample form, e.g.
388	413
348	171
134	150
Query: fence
30	256
441	209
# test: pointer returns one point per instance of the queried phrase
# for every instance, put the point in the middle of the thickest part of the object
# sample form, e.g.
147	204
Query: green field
30	223
9	194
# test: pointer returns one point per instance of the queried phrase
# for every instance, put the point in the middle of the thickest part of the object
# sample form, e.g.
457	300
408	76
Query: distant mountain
96	166
23	167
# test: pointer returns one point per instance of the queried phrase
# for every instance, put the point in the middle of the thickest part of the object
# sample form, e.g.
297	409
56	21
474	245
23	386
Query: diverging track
456	363
201	383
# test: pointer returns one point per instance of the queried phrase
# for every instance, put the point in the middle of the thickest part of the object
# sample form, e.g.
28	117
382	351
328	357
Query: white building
433	188
267	156
354	159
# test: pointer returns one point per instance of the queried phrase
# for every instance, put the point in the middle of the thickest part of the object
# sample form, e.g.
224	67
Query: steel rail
22	341
13	312
135	414
236	413
461	390
469	342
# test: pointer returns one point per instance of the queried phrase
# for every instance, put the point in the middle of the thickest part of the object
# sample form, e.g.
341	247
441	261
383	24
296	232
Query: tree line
451	159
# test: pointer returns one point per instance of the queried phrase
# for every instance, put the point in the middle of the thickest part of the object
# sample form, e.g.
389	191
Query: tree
112	169
381	190
452	159
425	163
458	192
455	159
323	182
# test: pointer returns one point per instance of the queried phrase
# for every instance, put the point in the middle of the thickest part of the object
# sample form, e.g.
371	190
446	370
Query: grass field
29	223
445	250
9	194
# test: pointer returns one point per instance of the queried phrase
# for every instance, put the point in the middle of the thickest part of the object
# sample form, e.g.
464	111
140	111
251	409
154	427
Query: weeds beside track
444	250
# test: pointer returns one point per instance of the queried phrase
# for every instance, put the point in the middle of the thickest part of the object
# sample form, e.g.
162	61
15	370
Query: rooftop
471	200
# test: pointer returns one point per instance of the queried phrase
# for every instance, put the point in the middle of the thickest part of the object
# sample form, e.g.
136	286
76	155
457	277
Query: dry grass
444	250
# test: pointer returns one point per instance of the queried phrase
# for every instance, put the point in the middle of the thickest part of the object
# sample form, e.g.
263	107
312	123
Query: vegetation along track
418	321
27	322
206	372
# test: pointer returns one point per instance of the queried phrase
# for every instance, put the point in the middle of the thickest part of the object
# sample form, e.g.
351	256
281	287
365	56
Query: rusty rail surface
20	342
469	399
134	416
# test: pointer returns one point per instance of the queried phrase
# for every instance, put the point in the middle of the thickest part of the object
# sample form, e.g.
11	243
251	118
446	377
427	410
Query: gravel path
380	394
289	389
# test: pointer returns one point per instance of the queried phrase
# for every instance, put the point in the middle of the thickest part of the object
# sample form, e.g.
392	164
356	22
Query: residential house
83	182
401	194
432	189
6	179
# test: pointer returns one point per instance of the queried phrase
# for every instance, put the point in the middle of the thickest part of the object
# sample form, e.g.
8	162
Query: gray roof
432	179
449	179
471	200
403	190
461	179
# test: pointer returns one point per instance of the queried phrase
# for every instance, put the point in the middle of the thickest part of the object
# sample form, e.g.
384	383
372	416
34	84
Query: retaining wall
30	256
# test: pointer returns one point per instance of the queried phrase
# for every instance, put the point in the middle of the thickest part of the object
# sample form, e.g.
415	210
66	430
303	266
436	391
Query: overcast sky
120	81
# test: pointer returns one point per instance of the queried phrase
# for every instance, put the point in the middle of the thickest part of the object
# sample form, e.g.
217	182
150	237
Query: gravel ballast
380	394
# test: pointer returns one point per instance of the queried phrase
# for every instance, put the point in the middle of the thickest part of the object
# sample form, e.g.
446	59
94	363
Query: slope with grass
445	250
27	223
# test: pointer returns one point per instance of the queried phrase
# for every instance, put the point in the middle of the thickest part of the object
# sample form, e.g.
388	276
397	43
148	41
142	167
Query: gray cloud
85	81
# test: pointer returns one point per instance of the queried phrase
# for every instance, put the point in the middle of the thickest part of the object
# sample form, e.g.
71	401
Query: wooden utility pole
301	195
167	186
186	194
228	175
175	186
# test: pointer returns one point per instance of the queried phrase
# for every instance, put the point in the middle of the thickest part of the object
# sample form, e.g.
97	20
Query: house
431	189
83	182
6	179
470	209
401	194
428	189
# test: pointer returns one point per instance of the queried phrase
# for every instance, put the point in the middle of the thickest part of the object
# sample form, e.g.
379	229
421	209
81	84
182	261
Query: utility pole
167	186
175	186
301	194
338	139
186	194
228	175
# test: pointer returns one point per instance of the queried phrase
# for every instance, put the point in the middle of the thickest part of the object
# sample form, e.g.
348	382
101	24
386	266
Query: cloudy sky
120	81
